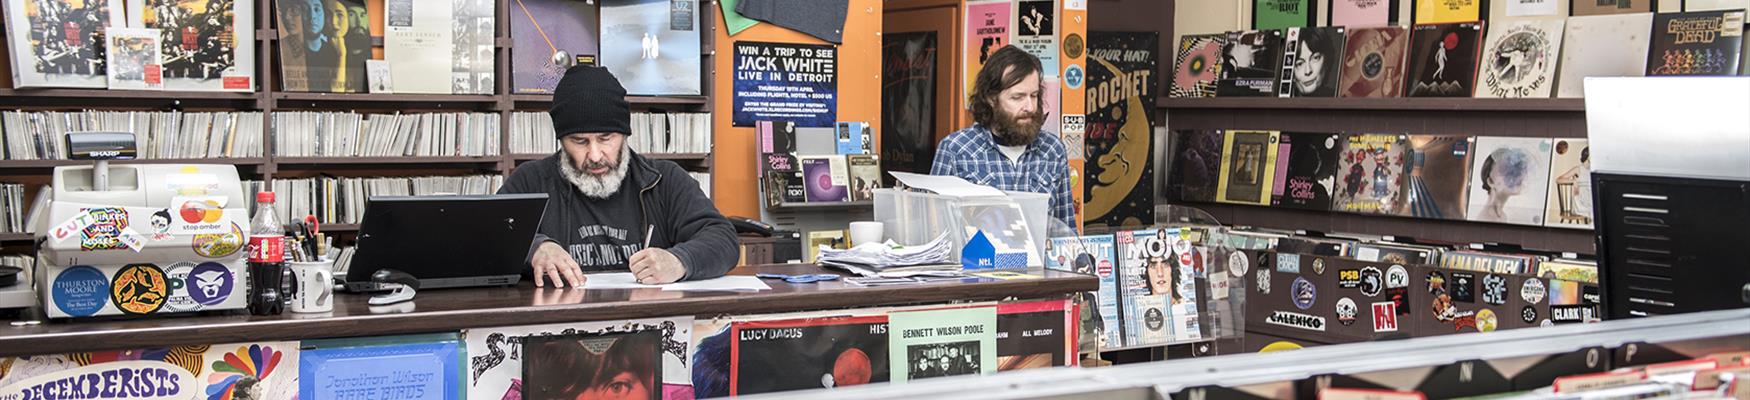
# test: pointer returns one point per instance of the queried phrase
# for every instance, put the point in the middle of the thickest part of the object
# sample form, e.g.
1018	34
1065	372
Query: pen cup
312	288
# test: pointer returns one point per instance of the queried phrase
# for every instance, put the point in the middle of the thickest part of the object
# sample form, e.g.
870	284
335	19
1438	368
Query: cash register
140	239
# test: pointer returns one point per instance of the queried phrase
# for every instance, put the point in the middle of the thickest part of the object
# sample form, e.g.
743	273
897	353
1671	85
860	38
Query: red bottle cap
264	197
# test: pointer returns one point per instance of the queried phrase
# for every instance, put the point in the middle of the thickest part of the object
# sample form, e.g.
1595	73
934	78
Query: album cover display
1197	166
1393	254
1449	11
548	37
419	44
1251	61
134	59
1519	58
59	43
1607	7
1439	170
1502	10
1282	14
627	365
1248	167
1509	178
1373	62
824	176
1570	185
1602	45
1094	255
1362	13
1119	183
321	52
1198	65
472	47
1370	173
1713	5
1306	170
1696	43
1145	286
652	46
206	46
865	176
1480	261
942	342
1443	59
808	353
1034	335
1312	62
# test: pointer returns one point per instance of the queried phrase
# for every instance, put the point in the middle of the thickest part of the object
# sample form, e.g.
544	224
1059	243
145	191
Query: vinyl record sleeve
1251	62
1306	170
1594	7
1197	67
810	353
1443	60
1605	46
1370	174
1248	167
1373	62
206	45
1509	178
1696	43
1438	173
1312	63
1570	185
1519	58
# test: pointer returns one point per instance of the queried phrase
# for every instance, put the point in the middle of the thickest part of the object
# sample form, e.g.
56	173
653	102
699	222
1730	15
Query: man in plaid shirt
1006	148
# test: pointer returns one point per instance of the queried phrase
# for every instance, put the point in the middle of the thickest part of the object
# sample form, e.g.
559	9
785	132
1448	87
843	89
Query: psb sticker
1305	294
1486	321
1397	277
80	291
1288	263
1346	311
1533	291
1385	317
1348	278
177	275
1237	264
139	289
1318	266
1372	281
1296	320
210	283
1073	76
1463	287
1264	280
219	245
1494	289
1528	314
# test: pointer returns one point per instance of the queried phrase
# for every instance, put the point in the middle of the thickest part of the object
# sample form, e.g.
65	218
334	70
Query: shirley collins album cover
1307	164
1443	59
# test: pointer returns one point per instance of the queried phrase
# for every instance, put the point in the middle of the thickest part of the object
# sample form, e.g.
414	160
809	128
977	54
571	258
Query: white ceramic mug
866	232
312	286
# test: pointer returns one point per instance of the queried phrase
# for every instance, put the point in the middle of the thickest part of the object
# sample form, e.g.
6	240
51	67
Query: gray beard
592	186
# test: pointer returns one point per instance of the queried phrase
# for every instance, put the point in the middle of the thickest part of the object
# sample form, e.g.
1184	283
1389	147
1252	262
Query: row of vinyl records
341	200
1526	57
1512	180
1150	279
652	133
348	134
13	202
158	134
440	47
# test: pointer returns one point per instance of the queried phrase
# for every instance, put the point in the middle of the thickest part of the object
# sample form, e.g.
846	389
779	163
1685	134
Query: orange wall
735	187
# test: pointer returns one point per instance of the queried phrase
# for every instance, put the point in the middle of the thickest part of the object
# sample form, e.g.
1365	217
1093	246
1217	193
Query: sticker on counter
190	182
1318	266
1385	317
1401	297
1288	263
1264	280
1443	309
161	225
1494	289
1296	320
1573	313
1436	282
1237	264
1348	278
210	283
1486	321
197	215
219	245
80	291
177	275
1463	287
103	229
1372	282
130	379
1305	294
1532	291
1467	319
1397	277
1528	314
139	289
1346	311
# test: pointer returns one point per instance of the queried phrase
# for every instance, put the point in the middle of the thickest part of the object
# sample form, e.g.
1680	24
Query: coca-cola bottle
267	258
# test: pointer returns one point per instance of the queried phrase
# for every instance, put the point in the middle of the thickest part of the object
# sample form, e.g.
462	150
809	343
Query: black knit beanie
590	100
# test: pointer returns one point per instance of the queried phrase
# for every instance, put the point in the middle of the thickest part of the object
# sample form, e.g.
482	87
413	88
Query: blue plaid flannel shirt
972	154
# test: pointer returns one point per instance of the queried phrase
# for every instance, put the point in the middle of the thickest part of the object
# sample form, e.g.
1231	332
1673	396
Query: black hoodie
687	223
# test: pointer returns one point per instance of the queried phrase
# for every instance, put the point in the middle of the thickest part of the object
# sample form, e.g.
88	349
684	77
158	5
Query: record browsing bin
916	218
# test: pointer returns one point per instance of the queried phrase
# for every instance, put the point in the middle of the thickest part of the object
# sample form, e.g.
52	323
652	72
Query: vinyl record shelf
269	98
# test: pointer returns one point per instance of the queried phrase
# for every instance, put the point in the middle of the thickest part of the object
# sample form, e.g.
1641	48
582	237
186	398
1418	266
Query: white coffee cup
866	232
312	286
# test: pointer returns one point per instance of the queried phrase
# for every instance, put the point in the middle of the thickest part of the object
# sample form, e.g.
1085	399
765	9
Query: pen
647	233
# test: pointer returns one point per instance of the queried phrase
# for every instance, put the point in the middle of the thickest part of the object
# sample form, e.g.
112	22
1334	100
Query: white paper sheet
625	280
946	185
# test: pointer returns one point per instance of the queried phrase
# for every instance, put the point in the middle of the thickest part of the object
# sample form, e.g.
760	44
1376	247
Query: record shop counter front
452	310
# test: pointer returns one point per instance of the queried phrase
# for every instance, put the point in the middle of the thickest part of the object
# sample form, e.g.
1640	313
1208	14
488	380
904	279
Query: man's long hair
991	81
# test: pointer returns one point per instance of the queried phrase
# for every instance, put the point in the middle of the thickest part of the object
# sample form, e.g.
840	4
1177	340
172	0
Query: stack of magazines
891	260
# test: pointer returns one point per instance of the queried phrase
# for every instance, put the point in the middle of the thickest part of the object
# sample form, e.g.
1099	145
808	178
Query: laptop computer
447	241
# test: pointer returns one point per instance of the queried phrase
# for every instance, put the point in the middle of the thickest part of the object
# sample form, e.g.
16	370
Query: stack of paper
882	259
625	280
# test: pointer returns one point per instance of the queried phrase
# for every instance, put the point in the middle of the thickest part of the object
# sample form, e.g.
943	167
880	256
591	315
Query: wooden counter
448	310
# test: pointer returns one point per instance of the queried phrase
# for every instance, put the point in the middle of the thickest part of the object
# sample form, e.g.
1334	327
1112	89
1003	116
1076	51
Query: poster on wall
786	82
652	45
1280	14
908	102
495	355
1120	144
987	29
1036	32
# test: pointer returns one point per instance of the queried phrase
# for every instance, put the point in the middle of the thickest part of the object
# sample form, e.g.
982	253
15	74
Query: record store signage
786	82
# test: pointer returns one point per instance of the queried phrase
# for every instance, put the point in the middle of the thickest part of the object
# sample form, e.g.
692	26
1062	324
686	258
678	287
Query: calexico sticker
1296	320
196	215
1385	317
134	380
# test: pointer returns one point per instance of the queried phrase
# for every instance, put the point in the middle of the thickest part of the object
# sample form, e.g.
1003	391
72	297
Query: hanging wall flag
786	82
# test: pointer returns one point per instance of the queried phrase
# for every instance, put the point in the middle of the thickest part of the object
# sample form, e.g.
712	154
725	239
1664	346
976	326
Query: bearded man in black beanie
604	200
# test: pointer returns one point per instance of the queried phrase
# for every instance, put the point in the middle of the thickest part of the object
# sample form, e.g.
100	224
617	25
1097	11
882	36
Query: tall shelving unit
269	98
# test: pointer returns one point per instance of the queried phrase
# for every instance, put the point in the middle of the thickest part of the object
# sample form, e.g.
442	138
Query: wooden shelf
529	157
16	237
437	162
128	94
387	98
644	100
340	228
811	206
44	164
1376	104
679	156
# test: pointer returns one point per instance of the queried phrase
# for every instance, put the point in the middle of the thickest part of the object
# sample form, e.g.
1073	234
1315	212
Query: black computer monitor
447	241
